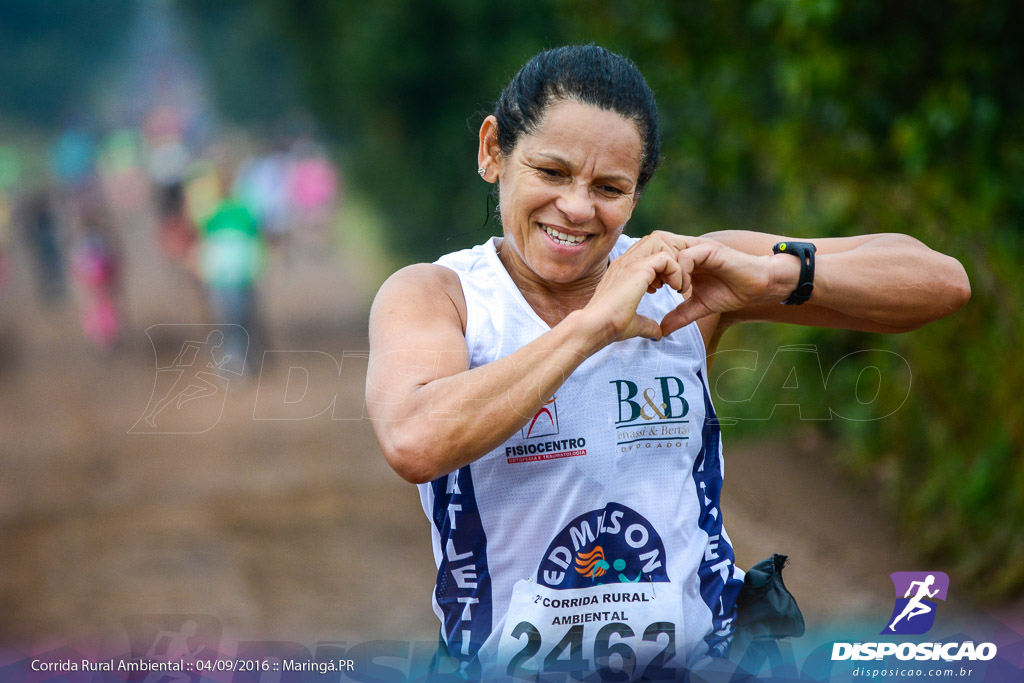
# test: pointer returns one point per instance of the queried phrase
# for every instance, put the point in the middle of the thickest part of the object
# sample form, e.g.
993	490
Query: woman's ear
488	155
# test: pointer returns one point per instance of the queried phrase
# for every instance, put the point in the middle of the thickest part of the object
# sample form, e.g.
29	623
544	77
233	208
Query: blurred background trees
806	118
53	53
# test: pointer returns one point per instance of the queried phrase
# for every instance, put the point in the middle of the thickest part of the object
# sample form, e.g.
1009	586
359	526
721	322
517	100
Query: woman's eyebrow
555	158
607	176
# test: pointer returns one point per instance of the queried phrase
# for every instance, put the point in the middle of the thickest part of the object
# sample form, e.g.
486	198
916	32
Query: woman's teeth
562	238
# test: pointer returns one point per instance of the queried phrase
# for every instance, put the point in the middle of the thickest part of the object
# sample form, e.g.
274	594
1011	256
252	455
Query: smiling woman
539	523
567	191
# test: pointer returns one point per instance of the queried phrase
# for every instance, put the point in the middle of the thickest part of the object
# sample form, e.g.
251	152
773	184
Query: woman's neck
551	301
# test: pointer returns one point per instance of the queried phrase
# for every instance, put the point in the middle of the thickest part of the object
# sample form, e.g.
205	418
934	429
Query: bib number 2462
613	655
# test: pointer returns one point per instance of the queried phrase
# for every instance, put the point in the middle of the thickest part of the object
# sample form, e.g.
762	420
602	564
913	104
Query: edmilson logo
914	612
651	416
613	544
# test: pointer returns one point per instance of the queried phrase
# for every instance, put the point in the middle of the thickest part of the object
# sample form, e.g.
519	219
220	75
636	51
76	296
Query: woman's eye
611	190
551	172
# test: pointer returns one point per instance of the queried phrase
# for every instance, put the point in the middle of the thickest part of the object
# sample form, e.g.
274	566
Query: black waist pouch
765	608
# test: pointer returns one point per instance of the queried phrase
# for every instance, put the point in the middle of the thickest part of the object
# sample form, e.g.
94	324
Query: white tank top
597	525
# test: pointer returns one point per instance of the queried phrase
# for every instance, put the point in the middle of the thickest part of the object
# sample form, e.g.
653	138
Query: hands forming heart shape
712	278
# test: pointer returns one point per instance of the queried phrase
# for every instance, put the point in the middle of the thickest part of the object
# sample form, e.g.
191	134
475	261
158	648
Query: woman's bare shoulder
426	292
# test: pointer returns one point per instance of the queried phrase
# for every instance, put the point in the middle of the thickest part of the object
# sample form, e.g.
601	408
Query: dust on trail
295	530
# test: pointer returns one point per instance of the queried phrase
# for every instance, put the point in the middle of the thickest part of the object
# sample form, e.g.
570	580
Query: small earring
481	171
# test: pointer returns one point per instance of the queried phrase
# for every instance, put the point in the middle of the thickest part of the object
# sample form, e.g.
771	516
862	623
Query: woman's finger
684	314
646	246
645	327
667	270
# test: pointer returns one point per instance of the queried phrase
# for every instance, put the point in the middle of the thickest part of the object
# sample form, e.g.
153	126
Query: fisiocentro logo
914	614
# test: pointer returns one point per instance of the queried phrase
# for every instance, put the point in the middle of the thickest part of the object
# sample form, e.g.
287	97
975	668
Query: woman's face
567	191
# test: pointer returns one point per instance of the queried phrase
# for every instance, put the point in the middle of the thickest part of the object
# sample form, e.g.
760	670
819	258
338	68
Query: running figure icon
916	606
175	646
196	364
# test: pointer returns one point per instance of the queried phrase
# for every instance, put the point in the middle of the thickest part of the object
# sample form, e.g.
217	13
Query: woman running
547	390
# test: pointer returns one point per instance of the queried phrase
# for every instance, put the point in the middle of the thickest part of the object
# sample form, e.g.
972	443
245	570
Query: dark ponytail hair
588	74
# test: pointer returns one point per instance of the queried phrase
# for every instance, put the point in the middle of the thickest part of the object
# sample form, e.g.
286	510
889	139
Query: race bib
610	632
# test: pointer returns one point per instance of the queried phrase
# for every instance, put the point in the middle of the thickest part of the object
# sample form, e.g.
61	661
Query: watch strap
805	252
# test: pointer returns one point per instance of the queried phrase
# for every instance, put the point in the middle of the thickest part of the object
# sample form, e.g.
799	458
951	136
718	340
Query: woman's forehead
575	133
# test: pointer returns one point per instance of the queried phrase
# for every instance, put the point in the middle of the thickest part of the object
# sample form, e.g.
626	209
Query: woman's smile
563	237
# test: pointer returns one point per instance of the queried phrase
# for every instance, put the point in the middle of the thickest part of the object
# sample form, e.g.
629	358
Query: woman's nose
576	203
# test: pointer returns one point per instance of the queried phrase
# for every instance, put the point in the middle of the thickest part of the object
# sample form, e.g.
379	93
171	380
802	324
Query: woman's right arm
432	414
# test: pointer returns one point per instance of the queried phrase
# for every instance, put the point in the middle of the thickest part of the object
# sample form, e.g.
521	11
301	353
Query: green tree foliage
256	75
810	118
51	53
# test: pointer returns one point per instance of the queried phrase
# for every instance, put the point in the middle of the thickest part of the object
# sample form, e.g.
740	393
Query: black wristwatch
805	252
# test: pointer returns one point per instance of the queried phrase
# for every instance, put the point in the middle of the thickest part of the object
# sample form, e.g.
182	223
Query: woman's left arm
876	283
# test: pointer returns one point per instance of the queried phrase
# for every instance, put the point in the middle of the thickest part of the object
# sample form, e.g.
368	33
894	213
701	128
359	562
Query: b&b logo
651	417
665	402
914	612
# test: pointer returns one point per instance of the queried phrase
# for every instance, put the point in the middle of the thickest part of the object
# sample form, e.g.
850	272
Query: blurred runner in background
262	183
10	172
5	239
232	256
313	190
39	226
96	268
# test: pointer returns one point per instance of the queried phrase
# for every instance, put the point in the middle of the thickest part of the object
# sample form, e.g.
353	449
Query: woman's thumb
683	314
645	327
